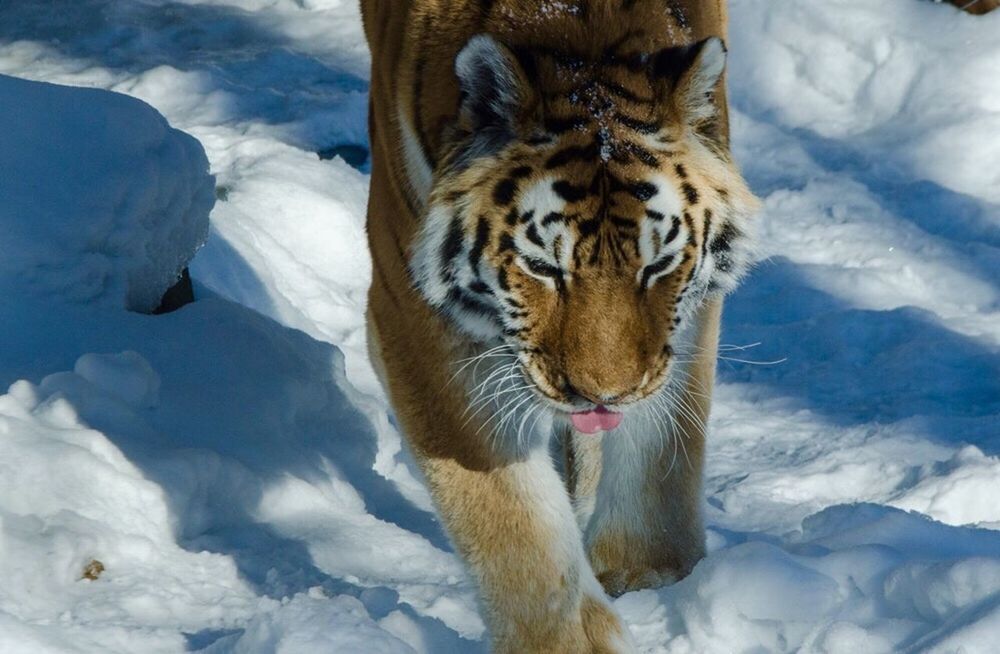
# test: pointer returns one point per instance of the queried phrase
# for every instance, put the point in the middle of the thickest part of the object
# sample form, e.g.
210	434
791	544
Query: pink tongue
599	419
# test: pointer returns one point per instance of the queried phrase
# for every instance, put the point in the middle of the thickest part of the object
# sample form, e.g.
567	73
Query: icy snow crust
233	466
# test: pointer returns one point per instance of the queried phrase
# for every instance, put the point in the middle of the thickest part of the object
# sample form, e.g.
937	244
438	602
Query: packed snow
228	478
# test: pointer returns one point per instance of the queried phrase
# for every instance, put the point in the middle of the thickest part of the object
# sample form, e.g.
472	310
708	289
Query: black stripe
533	236
470	303
691	271
641	153
615	184
452	245
502	280
641	126
625	94
503	192
724	239
588	227
485	7
644	191
595	252
655	269
705	235
584	153
557	249
622	222
690	227
507	243
690	192
481	288
672	234
721	247
482	238
569	192
542	268
563	125
540	139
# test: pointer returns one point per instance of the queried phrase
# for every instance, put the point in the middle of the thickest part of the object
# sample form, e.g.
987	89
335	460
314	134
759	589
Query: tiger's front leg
514	527
507	512
639	494
646	530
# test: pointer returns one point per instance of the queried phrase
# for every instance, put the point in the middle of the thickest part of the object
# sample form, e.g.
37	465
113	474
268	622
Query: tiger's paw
605	632
618	582
623	564
592	628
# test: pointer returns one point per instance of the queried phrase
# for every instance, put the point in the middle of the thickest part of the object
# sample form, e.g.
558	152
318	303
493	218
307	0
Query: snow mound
958	491
850	70
856	578
98	545
232	500
102	200
312	623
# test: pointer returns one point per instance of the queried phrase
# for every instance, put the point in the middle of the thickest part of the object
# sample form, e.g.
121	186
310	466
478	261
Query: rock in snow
233	466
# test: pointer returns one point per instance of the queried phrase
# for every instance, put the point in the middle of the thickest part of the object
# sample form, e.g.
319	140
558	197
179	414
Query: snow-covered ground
233	466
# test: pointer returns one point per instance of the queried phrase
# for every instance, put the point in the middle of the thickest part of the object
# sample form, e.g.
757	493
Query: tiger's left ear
494	87
692	73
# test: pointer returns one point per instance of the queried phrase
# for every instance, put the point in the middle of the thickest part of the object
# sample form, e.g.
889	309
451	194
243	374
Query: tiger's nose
599	392
595	398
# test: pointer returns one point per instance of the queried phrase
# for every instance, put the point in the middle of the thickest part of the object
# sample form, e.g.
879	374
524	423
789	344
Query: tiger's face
582	227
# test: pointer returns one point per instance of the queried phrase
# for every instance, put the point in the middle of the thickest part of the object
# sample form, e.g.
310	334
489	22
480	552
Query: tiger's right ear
494	87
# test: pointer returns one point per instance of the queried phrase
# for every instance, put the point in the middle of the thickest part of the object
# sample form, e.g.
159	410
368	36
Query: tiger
554	218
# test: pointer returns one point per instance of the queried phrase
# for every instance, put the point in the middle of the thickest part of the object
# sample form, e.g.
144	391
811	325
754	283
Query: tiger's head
583	209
